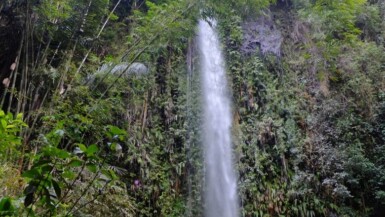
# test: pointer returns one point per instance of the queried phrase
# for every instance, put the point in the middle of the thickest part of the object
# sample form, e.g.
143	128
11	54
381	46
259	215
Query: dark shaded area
11	28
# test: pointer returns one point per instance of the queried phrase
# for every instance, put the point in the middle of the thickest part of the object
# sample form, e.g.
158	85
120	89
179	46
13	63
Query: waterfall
221	198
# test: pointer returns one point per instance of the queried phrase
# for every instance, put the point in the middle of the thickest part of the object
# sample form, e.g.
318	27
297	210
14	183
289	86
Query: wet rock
111	69
135	68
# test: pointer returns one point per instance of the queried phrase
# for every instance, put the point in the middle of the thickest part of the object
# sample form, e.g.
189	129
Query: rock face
137	68
261	33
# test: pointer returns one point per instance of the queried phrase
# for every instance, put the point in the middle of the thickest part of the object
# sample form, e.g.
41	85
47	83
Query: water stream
221	199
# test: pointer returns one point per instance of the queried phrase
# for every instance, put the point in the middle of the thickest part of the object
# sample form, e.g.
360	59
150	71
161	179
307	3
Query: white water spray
221	188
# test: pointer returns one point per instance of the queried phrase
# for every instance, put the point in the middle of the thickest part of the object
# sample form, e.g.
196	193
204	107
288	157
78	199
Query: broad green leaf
92	167
46	168
117	131
19	116
4	123
6	205
61	153
76	163
32	174
68	175
91	150
82	147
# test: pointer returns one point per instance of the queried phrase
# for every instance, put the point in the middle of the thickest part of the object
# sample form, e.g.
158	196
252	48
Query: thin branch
140	53
95	196
88	187
137	56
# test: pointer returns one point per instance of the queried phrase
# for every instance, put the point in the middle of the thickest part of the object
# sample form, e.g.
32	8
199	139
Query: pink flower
137	183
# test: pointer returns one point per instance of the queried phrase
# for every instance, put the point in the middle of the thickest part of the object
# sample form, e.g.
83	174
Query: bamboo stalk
97	37
55	53
144	113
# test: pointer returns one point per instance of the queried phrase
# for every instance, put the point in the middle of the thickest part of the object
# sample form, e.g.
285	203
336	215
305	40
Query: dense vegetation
79	139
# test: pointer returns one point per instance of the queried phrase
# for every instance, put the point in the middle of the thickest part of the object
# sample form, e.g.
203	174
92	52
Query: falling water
221	189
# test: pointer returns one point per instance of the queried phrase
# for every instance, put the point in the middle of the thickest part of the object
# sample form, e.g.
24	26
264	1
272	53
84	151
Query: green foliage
83	16
6	207
304	150
162	25
243	8
55	11
308	126
79	151
56	172
335	19
10	141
